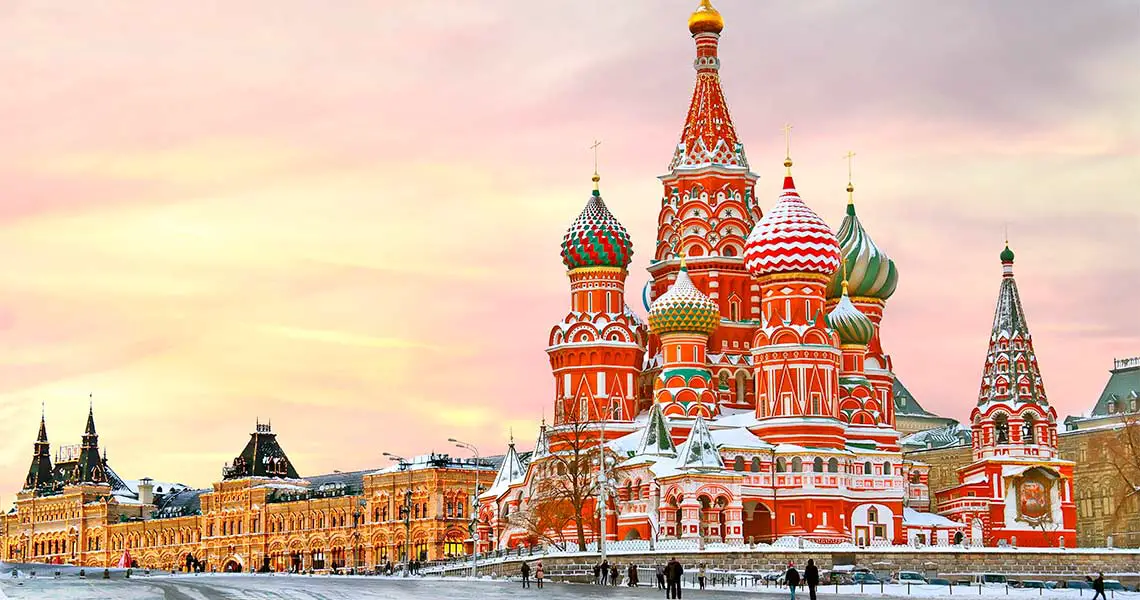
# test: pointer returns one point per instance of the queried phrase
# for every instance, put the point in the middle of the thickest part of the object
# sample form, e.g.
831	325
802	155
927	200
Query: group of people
538	573
810	578
607	574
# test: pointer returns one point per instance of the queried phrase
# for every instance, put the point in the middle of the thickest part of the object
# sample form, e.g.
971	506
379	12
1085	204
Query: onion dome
850	324
1007	254
596	238
871	273
791	238
684	309
705	19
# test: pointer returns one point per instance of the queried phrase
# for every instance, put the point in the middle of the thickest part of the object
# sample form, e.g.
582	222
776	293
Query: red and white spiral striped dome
791	238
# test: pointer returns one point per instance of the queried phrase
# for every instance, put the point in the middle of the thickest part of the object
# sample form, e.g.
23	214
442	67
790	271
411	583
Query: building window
738	464
781	465
454	548
872	515
817	465
755	464
867	468
797	465
832	465
1027	430
792	519
887	470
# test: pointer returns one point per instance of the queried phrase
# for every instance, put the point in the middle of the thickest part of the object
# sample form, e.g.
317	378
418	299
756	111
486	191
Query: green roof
1123	386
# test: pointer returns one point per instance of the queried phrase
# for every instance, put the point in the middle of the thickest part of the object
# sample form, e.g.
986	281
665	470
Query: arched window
867	468
781	465
817	465
1028	430
832	465
872	515
887	468
730	250
797	465
738	464
755	464
1001	429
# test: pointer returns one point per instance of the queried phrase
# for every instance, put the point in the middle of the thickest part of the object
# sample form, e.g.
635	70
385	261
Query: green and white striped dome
870	272
850	324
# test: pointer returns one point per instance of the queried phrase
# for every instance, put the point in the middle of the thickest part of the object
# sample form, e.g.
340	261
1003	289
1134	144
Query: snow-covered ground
288	587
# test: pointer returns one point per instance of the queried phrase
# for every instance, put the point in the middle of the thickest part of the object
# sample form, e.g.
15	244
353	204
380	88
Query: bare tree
545	520
571	466
1122	452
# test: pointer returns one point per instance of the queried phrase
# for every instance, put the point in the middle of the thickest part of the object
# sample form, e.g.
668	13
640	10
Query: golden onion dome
705	19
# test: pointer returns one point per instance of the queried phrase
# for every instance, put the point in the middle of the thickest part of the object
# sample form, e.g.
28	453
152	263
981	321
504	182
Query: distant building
1119	400
261	516
911	417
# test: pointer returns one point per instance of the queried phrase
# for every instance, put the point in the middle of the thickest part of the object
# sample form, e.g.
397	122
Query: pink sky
345	217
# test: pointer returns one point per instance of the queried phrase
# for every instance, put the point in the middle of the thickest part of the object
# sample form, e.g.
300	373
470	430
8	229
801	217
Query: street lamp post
602	482
405	510
474	505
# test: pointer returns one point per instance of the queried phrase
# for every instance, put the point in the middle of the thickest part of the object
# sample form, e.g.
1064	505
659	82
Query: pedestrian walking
538	574
597	573
701	575
605	572
792	578
673	573
1098	586
525	570
811	577
631	575
660	571
615	575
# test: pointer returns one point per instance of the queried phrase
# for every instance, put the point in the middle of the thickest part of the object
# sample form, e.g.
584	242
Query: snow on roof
914	518
737	438
510	472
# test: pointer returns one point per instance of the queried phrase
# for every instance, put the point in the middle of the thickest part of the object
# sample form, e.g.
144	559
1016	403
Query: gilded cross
788	139
595	149
850	156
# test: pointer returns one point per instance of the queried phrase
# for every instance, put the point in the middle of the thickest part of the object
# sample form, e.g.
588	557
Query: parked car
1078	584
990	579
938	581
1112	585
866	578
1033	584
909	577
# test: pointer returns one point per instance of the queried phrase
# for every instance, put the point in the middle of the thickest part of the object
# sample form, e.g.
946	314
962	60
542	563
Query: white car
910	577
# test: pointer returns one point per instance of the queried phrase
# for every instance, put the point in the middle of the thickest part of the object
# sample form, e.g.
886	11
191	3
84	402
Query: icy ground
284	587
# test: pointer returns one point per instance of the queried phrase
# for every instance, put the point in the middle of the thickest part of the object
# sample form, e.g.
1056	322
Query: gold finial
705	19
596	178
1006	225
788	147
844	263
850	156
681	255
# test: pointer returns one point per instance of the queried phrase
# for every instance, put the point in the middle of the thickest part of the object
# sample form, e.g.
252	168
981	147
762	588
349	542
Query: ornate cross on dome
595	149
788	140
850	156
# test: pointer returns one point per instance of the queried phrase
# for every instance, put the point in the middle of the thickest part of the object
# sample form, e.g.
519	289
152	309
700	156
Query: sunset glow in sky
344	217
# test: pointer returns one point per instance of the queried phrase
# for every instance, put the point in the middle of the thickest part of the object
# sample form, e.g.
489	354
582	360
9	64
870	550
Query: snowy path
245	587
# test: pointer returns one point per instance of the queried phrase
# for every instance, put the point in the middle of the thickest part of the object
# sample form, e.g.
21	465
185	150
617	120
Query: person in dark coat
631	575
673	573
614	574
792	578
605	572
525	570
1098	586
811	577
660	570
597	574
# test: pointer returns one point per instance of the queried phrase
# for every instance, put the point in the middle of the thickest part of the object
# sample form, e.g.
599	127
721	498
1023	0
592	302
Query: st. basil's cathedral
758	401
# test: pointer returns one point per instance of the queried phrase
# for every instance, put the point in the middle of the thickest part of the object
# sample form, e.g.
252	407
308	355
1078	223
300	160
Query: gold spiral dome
705	19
